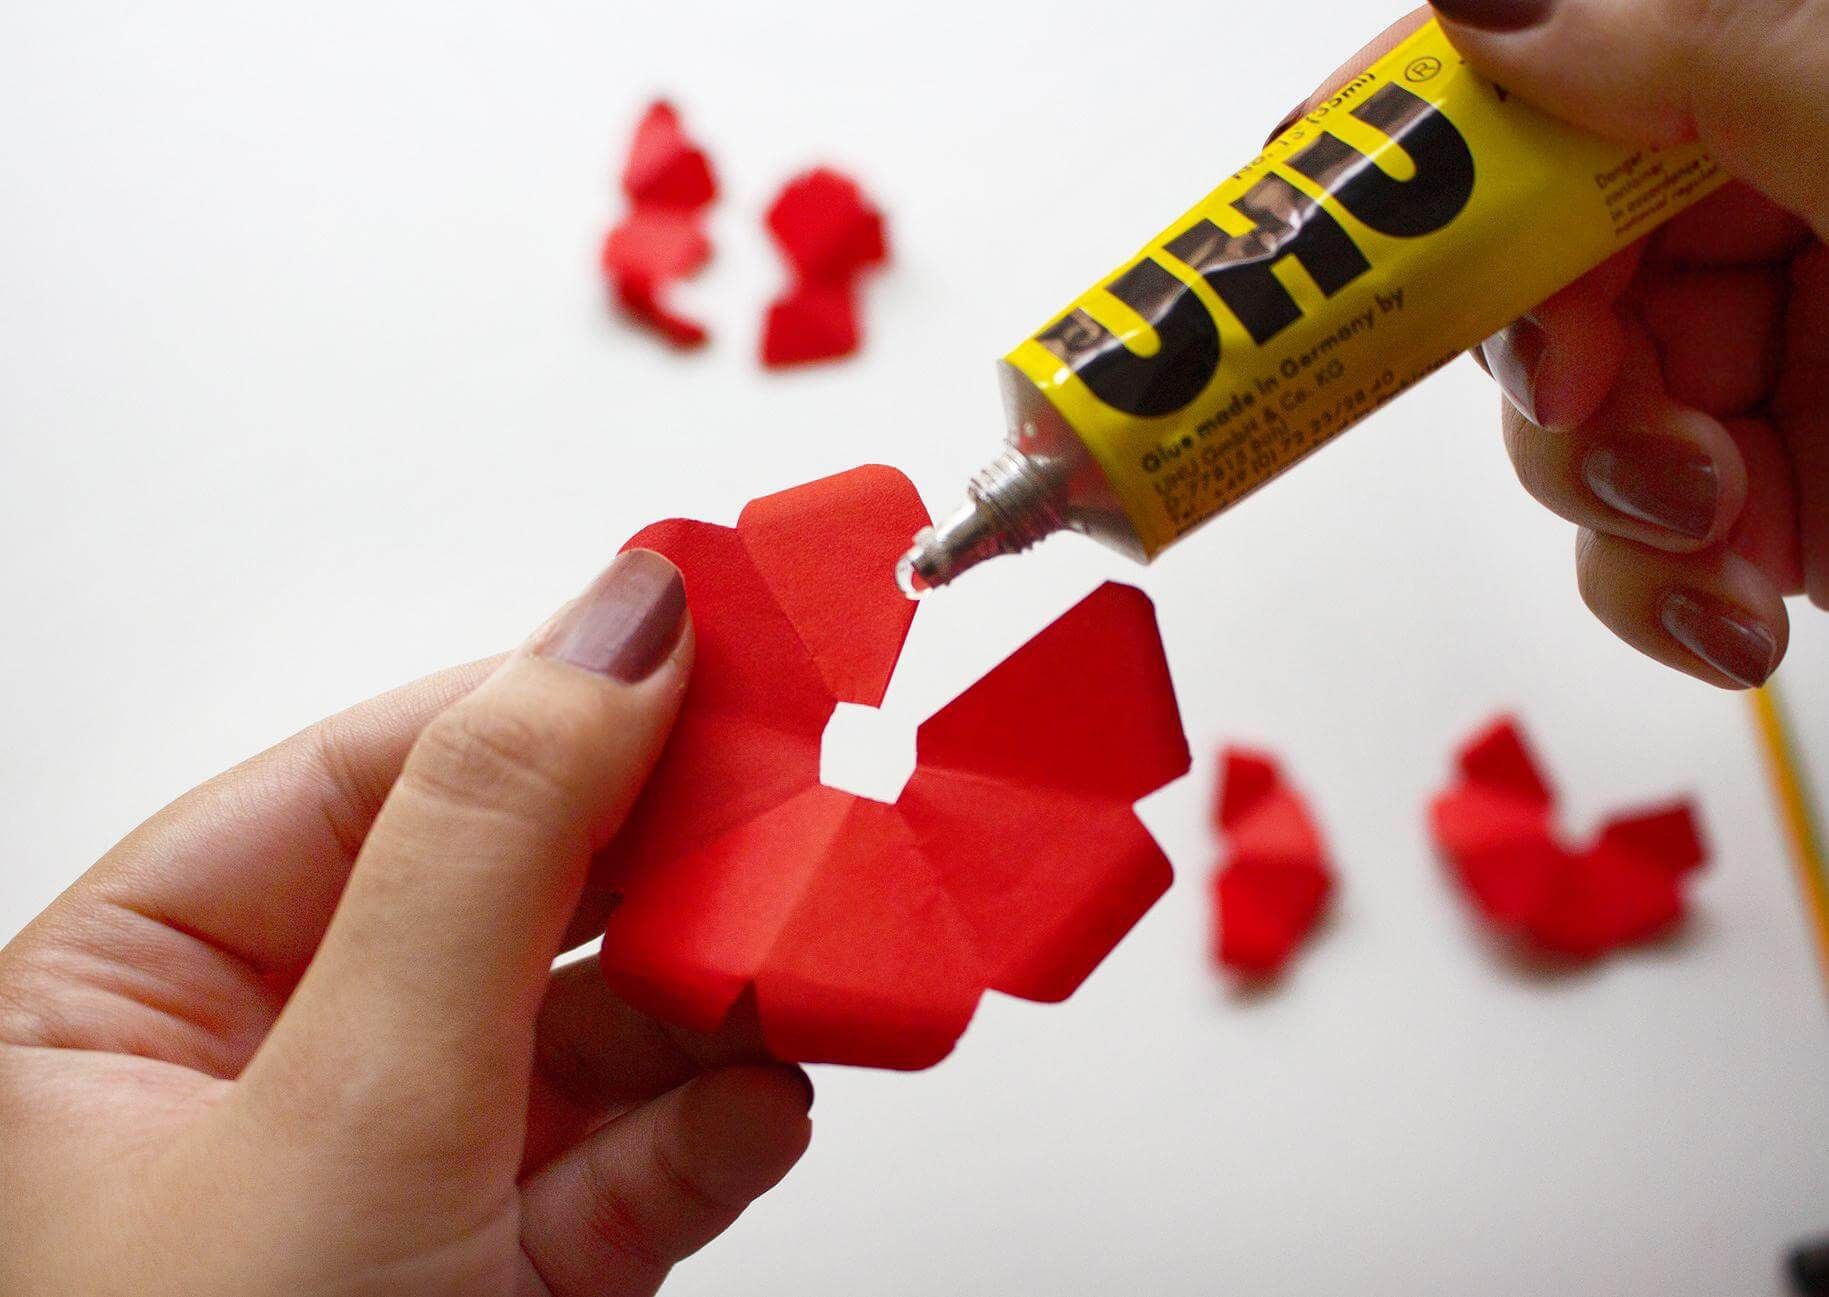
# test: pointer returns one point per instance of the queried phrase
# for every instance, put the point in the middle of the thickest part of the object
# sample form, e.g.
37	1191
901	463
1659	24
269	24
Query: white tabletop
307	388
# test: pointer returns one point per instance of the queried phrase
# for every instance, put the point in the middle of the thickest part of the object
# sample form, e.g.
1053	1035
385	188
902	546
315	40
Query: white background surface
306	387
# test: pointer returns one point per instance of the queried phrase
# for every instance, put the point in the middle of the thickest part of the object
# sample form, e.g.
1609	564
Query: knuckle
1597	574
1534	457
480	754
672	1168
612	1219
349	800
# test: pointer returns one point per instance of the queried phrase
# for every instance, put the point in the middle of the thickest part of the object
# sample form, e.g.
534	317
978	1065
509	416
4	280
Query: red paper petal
655	245
639	296
1501	849
769	671
810	322
665	169
842	599
1245	779
1604	901
668	181
1097	707
1671	837
867	932
1494	827
825	227
1272	889
1265	912
645	251
1498	758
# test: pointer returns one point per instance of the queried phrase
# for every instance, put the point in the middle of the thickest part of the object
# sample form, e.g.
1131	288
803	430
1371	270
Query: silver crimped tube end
1009	506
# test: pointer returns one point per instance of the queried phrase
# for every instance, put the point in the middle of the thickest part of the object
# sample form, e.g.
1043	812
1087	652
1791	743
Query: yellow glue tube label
1410	216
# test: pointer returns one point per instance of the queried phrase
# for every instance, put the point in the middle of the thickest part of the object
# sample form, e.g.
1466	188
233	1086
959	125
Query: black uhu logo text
1238	266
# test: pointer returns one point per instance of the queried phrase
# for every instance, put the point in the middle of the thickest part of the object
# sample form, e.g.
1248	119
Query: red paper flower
1495	827
866	931
1276	880
829	234
669	182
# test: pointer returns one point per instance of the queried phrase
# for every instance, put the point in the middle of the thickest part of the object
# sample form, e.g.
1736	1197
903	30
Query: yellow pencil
1794	808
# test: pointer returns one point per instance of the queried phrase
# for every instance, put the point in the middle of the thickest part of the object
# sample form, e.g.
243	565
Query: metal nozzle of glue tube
1044	481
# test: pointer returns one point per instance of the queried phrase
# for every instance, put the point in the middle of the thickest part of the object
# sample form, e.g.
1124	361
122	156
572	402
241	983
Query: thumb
414	1024
1745	77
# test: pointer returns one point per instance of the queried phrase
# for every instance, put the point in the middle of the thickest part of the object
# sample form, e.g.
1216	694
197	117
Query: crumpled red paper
1275	881
867	931
669	182
829	234
1495	825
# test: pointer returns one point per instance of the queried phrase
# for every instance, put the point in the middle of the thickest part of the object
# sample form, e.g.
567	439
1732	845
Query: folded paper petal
825	227
661	238
1495	828
1275	882
810	322
867	932
665	169
829	234
1497	758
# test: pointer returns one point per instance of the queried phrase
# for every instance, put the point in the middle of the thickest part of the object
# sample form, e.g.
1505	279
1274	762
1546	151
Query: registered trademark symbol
1423	69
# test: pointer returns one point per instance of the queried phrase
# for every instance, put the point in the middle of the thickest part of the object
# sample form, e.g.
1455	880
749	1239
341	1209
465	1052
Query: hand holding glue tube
1672	402
1668	394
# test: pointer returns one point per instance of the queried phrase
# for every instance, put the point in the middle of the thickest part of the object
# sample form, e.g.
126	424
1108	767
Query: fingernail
1513	355
1726	637
806	1082
1289	120
1495	15
626	624
1810	1269
1665	481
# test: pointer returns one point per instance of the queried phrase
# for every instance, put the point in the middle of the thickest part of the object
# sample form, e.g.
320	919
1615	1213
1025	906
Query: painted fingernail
1726	637
1810	1269
1513	356
1289	120
626	624
1665	481
1495	15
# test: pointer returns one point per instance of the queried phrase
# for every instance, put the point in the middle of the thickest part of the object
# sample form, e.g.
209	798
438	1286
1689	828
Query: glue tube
1414	213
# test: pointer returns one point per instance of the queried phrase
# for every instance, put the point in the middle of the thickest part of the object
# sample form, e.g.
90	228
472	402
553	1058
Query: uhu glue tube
1413	214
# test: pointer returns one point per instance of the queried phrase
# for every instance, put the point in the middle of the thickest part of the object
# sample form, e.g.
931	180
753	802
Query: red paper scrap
867	931
669	183
1275	881
1495	827
665	169
825	227
829	234
810	321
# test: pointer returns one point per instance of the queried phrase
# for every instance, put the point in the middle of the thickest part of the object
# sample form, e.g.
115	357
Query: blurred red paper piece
825	228
665	169
866	932
1275	881
669	183
810	322
1495	827
829	234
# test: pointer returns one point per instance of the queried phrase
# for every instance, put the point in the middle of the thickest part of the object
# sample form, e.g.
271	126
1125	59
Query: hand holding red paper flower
298	1033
